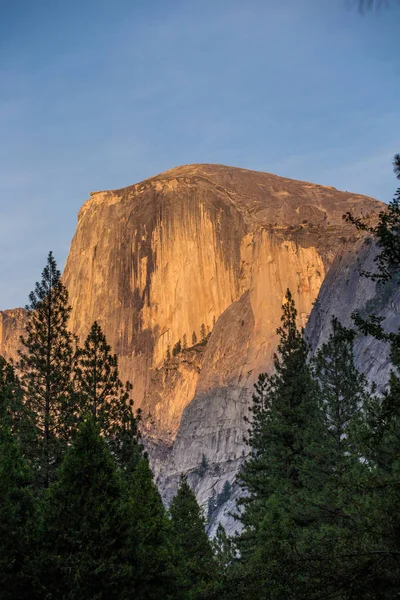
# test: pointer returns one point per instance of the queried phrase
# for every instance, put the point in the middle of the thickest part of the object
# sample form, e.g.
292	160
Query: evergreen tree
286	436
152	532
194	338
46	363
342	388
168	357
197	568
225	493
16	517
100	391
13	411
379	431
386	232
87	548
177	348
203	332
212	505
224	549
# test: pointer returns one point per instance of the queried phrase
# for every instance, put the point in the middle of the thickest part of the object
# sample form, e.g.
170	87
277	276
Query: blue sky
99	94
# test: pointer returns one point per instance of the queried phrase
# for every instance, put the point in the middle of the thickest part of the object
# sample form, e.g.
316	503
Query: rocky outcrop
345	291
206	250
12	326
155	261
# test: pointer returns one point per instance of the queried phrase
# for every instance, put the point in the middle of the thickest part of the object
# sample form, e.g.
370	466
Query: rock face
12	326
345	291
206	250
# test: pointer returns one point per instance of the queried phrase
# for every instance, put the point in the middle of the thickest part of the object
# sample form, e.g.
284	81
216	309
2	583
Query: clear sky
99	94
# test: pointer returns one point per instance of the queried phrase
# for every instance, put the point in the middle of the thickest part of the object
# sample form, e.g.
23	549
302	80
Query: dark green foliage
194	338
196	565
301	513
100	392
16	518
13	411
224	549
202	468
177	348
86	533
342	388
217	500
152	531
282	438
225	494
387	234
203	332
211	505
46	365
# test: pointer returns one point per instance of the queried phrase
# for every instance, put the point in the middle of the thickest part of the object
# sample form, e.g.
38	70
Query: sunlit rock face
201	247
155	261
12	326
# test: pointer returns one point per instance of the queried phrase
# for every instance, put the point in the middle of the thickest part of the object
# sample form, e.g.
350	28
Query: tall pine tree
285	437
46	364
156	571
196	565
101	393
87	549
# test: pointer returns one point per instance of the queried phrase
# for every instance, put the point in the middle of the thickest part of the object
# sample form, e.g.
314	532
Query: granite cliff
205	248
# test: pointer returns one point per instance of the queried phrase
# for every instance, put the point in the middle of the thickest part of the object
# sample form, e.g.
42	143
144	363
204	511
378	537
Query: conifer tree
100	391
194	338
286	433
46	363
379	432
87	549
224	549
197	568
16	518
152	533
13	411
203	332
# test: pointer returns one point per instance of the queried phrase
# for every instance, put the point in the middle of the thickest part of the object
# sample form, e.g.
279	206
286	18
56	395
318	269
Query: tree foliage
196	565
46	363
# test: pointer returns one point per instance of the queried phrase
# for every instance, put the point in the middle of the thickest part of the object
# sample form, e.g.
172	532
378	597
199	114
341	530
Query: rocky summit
186	273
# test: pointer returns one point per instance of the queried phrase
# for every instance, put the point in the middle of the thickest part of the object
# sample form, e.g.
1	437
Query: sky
101	94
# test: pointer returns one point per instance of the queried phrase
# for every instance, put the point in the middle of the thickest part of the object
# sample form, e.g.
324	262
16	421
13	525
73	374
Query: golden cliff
199	246
155	261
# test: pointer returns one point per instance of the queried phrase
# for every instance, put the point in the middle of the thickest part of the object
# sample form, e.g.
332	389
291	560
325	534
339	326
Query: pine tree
194	338
100	391
13	411
342	388
285	437
152	533
46	364
87	549
212	505
379	432
168	356
224	549
16	519
203	332
177	348
197	567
